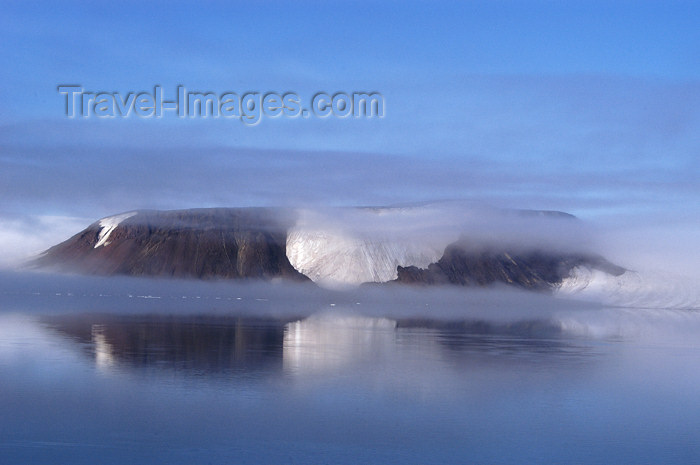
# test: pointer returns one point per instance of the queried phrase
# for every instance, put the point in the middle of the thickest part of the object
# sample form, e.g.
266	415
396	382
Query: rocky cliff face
537	270
207	243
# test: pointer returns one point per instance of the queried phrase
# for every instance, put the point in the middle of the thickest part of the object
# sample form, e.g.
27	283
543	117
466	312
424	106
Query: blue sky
588	107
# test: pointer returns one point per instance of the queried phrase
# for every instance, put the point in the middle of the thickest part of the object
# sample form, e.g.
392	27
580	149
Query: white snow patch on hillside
336	255
108	225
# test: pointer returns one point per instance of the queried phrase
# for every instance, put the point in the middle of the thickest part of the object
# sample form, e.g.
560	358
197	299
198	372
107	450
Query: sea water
224	376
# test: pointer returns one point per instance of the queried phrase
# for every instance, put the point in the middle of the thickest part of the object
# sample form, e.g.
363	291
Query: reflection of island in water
191	344
330	341
231	346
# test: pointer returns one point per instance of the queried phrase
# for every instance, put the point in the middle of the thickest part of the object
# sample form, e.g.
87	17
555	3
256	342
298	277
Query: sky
587	107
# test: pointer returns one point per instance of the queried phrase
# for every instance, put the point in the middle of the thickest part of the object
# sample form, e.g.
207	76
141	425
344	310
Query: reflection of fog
330	341
104	358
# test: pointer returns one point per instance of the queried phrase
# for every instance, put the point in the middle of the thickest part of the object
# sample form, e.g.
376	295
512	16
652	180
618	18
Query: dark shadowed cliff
537	270
225	243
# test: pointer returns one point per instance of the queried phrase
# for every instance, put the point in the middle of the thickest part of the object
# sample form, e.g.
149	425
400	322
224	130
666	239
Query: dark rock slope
204	243
537	270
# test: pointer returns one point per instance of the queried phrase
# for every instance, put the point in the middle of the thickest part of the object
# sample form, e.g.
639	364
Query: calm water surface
335	386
